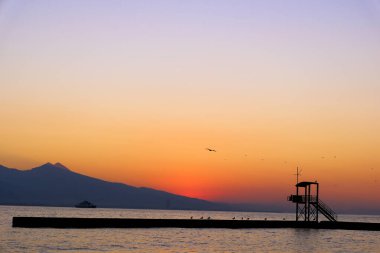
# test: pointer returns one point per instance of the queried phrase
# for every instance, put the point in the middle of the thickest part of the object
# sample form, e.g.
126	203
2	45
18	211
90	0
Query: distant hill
56	185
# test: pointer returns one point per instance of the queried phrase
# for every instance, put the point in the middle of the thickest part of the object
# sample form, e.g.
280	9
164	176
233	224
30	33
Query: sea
177	239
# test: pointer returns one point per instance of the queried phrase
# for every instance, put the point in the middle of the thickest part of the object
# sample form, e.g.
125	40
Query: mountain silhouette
56	185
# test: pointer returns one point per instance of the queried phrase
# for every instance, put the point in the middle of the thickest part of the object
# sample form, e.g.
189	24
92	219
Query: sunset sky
135	91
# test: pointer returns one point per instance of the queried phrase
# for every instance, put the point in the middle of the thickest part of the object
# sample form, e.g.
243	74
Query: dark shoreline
83	223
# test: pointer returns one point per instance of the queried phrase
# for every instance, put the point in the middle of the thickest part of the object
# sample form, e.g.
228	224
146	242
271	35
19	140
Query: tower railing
302	198
327	211
322	207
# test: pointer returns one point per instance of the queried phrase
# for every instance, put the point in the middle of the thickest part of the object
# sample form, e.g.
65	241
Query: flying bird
211	150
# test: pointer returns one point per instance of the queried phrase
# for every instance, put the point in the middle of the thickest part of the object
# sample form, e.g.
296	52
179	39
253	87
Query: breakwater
62	222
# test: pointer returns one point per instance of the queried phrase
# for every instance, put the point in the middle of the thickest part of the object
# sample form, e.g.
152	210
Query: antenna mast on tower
298	173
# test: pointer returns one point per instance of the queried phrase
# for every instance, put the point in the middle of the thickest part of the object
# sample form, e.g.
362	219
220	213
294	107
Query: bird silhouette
233	218
202	218
211	150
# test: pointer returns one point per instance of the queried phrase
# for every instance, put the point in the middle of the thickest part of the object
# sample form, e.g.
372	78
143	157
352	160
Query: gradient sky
134	91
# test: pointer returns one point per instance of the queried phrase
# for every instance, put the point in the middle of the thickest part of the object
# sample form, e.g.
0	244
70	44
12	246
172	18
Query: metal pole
297	204
308	201
305	204
317	199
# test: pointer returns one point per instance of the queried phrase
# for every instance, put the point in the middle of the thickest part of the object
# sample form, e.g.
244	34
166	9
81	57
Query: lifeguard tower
308	204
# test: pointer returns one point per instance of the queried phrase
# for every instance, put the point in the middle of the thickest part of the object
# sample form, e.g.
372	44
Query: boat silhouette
85	204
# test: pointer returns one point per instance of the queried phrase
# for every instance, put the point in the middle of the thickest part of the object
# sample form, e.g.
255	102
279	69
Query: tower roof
305	183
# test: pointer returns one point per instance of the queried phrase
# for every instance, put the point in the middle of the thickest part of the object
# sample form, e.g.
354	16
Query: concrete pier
61	222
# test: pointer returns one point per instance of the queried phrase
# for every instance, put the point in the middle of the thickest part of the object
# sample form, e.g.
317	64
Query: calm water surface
175	239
